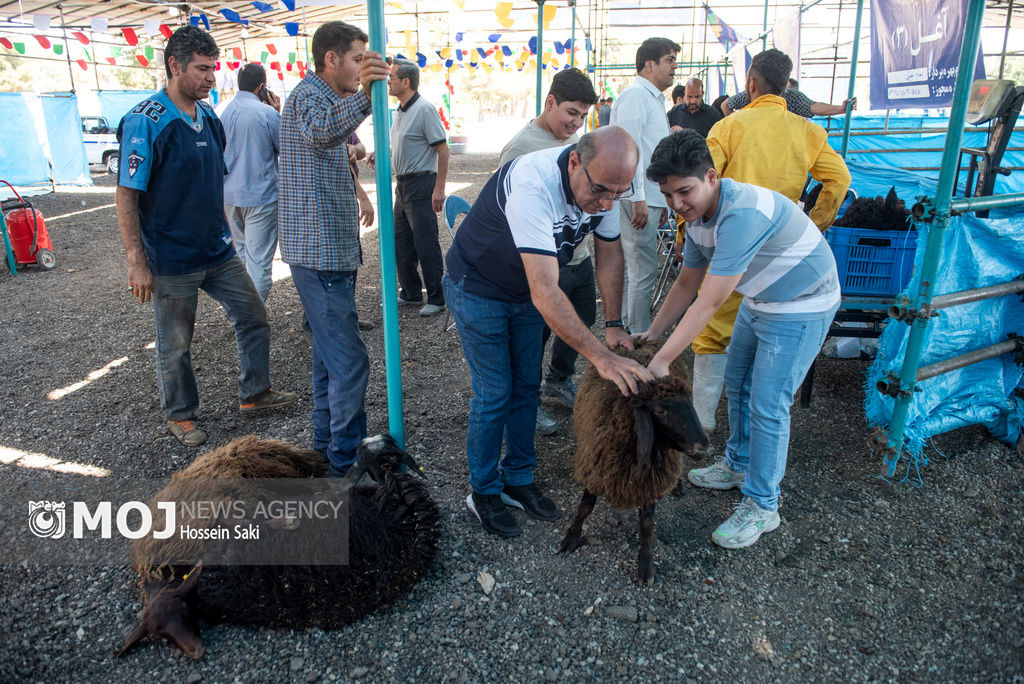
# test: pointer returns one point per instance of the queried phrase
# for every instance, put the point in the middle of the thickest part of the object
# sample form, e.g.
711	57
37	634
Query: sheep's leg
645	562
574	536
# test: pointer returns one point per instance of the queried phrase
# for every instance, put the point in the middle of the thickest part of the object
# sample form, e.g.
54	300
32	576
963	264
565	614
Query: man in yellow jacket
763	144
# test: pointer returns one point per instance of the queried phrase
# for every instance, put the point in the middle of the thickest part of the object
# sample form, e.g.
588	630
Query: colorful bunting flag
494	37
58	49
40	21
502	11
290	4
264	56
151	27
83	65
200	18
111	60
80	37
19	48
723	32
533	45
6	43
237	52
98	24
44	41
130	36
263	7
148	50
291	58
271	48
142	60
166	31
232	15
292	27
421	59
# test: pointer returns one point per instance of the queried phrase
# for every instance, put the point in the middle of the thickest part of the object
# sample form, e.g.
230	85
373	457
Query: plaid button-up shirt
318	215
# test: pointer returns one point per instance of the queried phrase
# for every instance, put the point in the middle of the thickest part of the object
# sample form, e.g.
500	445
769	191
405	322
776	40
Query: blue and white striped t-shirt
787	266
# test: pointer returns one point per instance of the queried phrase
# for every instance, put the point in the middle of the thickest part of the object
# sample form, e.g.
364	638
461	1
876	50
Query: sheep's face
676	424
380	455
171	615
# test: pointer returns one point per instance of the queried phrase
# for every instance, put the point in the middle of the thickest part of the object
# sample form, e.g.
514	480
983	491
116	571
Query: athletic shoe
563	392
186	432
716	476
267	399
546	425
431	309
745	526
402	301
492	514
528	498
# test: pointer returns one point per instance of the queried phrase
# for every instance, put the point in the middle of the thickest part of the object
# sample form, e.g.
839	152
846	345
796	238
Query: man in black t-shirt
693	112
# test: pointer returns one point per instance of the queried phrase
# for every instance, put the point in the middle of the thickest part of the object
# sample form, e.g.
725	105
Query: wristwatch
617	323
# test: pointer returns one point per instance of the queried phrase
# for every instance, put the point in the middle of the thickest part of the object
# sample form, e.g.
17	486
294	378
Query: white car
100	143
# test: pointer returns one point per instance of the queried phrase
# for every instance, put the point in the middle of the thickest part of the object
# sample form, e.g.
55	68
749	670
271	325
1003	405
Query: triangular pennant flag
263	56
549	14
506	50
58	49
502	11
421	59
148	50
237	52
44	41
80	37
6	43
111	60
98	24
151	27
233	65
166	31
458	37
276	66
217	68
292	27
533	45
559	48
263	7
130	36
483	53
232	15
115	51
271	48
41	21
289	5
280	76
87	55
142	60
494	37
458	55
200	18
19	48
444	53
83	65
291	58
288	66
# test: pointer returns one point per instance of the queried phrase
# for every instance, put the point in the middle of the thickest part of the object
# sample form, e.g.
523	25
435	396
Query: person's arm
826	109
140	278
713	293
331	124
356	151
830	170
558	313
609	272
437	198
365	205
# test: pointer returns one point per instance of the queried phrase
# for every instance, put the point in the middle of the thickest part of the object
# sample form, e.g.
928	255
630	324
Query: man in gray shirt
569	98
419	155
251	122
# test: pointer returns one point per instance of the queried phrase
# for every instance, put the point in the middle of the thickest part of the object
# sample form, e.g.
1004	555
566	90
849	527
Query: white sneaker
431	310
546	425
717	476
745	526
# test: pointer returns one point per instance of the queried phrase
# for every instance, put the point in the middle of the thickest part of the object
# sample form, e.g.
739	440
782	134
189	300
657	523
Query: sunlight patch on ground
53	395
78	213
37	461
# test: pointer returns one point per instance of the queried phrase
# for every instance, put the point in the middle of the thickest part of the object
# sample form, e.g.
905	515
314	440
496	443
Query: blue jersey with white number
177	164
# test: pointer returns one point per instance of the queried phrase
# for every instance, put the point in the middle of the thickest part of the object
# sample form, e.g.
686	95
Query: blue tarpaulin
40	131
975	253
115	103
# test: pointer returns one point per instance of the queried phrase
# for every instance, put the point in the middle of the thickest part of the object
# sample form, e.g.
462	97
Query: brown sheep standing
629	450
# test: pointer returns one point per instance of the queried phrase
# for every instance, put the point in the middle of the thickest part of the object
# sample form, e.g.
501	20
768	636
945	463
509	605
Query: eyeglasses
604	193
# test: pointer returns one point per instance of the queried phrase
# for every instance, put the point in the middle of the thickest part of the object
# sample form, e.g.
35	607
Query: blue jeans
341	365
765	363
501	342
254	233
174	305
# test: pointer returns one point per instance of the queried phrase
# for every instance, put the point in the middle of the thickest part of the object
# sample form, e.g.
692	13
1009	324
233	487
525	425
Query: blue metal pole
853	78
764	29
11	264
385	230
540	49
572	35
933	249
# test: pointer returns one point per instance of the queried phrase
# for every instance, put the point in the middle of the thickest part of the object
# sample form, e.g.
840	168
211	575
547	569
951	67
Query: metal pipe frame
540	51
901	311
965	204
386	238
932	370
853	79
933	248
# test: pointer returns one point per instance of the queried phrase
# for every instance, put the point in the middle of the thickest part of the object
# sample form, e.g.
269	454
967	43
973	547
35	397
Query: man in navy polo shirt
170	209
502	286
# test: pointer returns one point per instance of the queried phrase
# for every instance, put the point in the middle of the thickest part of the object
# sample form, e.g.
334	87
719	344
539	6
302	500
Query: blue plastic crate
873	263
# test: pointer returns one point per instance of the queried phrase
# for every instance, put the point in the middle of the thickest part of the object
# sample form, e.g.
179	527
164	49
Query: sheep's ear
644	435
189	583
135	637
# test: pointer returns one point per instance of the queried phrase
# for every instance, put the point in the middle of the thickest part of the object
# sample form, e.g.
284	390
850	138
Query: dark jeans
174	306
577	282
499	341
341	365
416	239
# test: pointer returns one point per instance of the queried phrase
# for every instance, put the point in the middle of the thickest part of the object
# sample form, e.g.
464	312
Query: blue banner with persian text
915	52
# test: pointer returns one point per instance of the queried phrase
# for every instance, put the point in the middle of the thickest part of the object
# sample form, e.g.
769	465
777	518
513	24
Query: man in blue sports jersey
170	210
755	241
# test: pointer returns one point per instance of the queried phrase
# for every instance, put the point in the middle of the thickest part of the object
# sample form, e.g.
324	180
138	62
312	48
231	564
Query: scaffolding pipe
976	294
572	36
386	236
965	204
1006	34
963	360
933	249
540	50
853	78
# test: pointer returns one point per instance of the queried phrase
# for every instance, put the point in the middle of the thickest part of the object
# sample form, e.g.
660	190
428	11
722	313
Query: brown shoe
186	432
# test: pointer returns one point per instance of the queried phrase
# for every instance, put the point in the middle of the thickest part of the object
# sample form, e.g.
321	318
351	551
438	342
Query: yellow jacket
763	144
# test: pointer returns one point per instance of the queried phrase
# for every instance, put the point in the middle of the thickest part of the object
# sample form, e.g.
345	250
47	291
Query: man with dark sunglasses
502	286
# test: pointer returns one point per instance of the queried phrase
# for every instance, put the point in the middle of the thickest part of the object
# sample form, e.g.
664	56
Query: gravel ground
866	579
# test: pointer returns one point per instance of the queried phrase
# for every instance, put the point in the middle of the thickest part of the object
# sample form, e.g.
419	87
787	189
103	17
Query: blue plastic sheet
114	104
975	253
37	131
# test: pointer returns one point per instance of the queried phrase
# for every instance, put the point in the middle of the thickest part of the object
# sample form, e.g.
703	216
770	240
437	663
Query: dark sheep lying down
876	213
392	540
629	450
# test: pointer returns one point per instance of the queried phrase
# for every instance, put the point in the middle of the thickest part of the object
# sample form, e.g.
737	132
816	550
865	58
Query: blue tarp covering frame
38	131
114	104
975	253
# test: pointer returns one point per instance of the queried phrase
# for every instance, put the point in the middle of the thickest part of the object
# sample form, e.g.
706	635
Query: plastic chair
453	207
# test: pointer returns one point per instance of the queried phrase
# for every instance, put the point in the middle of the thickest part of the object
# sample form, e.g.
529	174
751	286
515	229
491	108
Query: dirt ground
867	579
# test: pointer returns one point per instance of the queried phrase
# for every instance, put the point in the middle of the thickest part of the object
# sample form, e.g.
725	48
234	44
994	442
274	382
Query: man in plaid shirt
318	228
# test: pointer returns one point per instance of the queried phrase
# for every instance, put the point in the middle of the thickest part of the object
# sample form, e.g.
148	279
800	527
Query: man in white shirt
640	110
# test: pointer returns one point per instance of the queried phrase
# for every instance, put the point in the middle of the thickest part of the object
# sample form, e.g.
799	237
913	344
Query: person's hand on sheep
617	337
658	367
627	374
